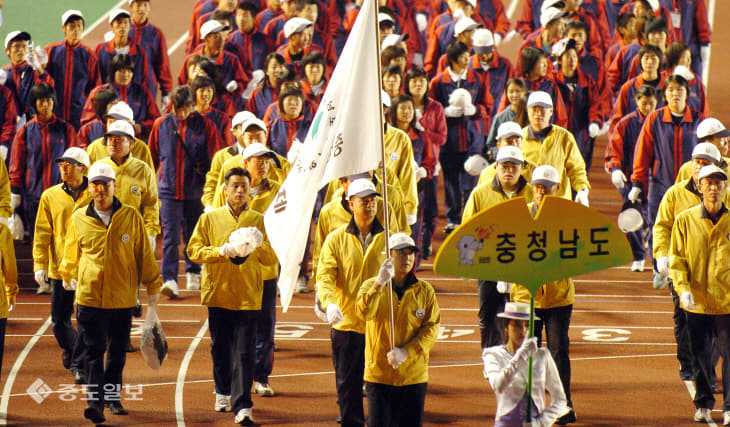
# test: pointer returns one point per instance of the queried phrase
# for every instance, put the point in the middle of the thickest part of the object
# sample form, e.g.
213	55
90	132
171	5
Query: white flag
344	139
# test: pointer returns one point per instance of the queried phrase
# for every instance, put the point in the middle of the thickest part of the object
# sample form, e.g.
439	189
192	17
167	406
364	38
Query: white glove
470	110
634	194
164	101
437	169
334	314
453	111
153	242
687	300
41	277
497	39
3	77
475	164
509	36
232	86
152	302
421	173
294	150
16	227
618	179
705	54
411	219
503	287
3	152
318	309
527	349
256	77
582	197
397	356
594	130
662	265
70	286
15	200
418	126
386	272
228	250
421	22
208	209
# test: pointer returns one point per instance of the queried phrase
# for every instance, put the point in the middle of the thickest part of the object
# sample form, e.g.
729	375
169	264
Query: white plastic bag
153	345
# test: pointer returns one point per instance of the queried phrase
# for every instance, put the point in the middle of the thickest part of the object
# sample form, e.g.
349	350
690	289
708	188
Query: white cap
212	26
707	151
654	4
401	241
393	40
15	34
256	149
711	170
545	175
382	17
516	310
121	128
71	13
508	129
101	171
75	155
510	154
464	24
254	121
121	111
116	13
473	3
241	117
385	98
539	99
550	14
711	127
683	72
482	41
361	188
295	25
561	46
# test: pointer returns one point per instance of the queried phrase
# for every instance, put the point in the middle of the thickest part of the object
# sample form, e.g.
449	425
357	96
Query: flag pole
383	172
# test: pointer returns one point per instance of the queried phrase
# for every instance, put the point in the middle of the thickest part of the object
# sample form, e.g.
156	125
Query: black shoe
131	348
80	377
94	414
450	227
66	359
116	408
715	389
568	418
339	419
687	376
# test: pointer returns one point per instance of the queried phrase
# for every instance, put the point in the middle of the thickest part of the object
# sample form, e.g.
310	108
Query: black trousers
687	363
62	307
491	303
101	328
265	330
3	325
701	329
233	348
556	322
391	406
348	358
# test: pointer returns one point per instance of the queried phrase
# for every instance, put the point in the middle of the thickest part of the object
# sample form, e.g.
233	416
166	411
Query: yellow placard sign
506	243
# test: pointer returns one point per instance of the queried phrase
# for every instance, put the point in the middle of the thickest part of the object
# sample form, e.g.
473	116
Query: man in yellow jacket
230	243
120	111
699	271
713	131
54	210
507	184
350	254
106	258
544	143
396	378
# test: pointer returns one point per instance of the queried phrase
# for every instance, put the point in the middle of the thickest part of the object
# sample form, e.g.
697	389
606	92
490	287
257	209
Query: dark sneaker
116	408
94	414
66	359
567	418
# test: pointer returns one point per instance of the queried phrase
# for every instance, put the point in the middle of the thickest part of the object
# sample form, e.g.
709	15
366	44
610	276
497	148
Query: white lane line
178	43
102	18
16	368
182	372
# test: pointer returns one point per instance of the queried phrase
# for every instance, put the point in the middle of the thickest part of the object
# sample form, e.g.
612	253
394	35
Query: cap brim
68	160
706	157
101	178
259	154
516	316
511	160
404	246
722	134
540	104
483	50
544	183
509	134
118	133
364	193
68	18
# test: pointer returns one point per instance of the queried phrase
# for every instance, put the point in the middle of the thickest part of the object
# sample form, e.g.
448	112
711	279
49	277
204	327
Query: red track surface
623	364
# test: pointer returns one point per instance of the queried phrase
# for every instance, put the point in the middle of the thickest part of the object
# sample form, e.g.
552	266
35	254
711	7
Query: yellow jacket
559	150
225	284
491	171
687	170
109	262
211	178
9	275
137	187
342	267
700	260
139	149
489	194
399	159
417	320
54	211
5	209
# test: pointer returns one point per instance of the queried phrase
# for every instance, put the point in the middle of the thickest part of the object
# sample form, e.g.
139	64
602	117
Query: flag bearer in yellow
507	184
231	244
396	379
136	182
554	301
698	269
54	210
106	257
350	253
